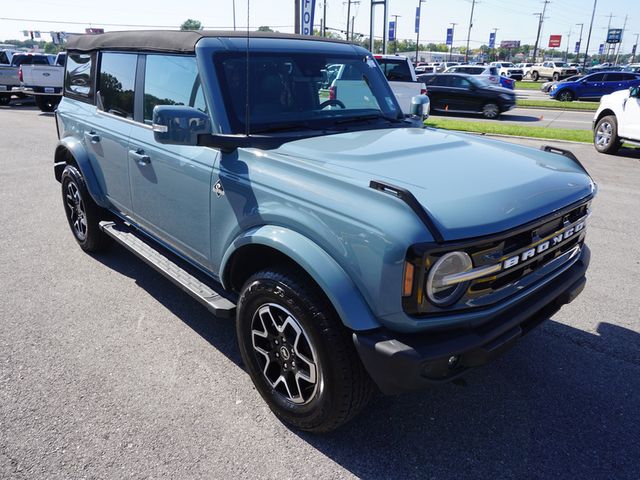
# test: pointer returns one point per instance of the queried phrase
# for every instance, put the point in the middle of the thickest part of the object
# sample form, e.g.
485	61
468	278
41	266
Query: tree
191	24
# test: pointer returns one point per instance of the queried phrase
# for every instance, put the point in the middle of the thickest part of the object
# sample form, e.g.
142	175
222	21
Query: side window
117	81
598	77
614	77
459	82
171	80
493	71
78	76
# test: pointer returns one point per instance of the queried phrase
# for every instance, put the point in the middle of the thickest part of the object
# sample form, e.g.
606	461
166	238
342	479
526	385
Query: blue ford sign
449	36
308	9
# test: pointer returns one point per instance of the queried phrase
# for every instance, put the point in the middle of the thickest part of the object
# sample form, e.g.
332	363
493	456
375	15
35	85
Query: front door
592	86
171	184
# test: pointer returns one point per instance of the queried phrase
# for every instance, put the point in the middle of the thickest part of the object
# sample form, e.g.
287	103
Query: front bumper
400	362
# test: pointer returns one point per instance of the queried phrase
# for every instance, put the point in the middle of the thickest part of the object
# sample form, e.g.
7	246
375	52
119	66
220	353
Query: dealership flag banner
601	49
308	10
577	47
492	40
417	19
449	36
555	41
392	31
614	35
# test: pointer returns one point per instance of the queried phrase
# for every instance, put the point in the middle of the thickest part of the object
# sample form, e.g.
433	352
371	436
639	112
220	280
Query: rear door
613	82
461	97
171	184
106	134
591	87
437	90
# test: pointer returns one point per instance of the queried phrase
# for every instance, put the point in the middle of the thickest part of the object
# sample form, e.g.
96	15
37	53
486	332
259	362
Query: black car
466	94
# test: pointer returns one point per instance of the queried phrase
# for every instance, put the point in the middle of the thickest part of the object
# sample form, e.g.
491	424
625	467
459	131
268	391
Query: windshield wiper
285	127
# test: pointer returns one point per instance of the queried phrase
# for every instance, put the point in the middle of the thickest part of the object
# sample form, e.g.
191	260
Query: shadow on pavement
562	403
503	117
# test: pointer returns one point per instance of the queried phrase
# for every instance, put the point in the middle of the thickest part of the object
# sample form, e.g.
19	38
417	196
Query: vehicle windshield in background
395	69
561	64
288	91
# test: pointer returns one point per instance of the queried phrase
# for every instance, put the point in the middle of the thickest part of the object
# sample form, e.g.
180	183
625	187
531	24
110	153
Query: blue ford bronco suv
354	248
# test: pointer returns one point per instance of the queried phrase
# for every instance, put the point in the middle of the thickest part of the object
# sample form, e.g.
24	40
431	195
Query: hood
470	186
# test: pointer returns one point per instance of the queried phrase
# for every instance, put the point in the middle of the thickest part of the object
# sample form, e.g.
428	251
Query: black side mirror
179	125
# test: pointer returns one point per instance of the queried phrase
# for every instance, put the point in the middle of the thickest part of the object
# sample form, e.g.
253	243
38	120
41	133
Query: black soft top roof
166	40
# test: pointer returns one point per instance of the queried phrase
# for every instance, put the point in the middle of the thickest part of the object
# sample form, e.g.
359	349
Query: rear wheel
5	100
47	103
490	111
605	137
299	356
565	96
83	214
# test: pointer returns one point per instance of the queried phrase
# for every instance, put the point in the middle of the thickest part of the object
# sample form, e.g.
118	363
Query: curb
499	135
555	108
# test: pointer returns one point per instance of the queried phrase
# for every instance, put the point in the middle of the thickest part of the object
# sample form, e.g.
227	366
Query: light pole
635	48
586	52
495	35
466	53
420	2
541	15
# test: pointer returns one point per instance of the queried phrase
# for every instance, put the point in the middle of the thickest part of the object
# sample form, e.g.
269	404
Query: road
535	117
109	371
526	94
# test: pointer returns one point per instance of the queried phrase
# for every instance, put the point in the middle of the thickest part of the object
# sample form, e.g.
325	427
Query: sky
514	19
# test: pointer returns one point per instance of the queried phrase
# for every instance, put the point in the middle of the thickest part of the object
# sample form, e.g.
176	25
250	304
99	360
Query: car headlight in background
442	288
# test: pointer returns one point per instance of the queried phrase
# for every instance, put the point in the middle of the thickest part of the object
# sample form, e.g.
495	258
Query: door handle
140	157
92	136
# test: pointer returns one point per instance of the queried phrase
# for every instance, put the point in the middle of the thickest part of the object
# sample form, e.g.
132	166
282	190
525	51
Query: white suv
617	120
508	69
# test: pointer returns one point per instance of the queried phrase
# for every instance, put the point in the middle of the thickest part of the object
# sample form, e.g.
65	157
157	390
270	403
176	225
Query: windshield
302	90
508	65
561	64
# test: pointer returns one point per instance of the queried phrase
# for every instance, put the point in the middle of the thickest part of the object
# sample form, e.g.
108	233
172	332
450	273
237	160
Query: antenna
246	113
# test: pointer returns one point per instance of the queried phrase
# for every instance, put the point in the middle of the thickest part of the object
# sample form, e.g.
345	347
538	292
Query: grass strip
528	85
515	130
586	106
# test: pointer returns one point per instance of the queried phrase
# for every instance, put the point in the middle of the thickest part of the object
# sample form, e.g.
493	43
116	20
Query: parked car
402	78
351	246
552	71
594	86
457	93
489	73
633	67
509	70
43	82
9	79
507	82
444	65
604	68
526	69
617	120
546	86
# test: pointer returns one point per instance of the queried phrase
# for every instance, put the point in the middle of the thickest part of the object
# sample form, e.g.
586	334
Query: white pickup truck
44	82
617	120
402	79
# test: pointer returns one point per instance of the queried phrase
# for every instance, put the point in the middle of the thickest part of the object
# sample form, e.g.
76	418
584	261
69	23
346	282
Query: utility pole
586	52
323	28
495	50
297	16
418	15
395	40
453	31
635	49
624	27
579	43
234	14
348	17
607	37
566	53
540	20
466	53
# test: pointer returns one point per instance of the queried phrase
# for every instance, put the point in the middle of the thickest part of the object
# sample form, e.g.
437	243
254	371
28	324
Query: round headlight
438	291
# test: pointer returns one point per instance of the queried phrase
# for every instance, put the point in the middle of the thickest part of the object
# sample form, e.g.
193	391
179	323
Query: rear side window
597	77
171	80
117	81
493	71
614	77
395	70
78	77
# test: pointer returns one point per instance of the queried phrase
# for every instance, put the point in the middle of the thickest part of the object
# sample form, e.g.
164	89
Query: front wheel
535	76
299	356
605	137
5	100
555	77
490	111
565	96
82	212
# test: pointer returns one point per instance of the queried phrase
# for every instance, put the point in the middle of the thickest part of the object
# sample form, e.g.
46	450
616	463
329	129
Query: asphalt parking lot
109	371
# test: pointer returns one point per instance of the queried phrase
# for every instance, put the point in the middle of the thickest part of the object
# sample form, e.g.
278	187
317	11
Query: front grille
497	250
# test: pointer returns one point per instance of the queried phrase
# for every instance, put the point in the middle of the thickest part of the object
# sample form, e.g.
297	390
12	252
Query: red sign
555	41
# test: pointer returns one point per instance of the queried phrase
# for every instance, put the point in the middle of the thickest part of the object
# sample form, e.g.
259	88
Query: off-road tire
343	386
605	135
535	76
555	77
87	233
